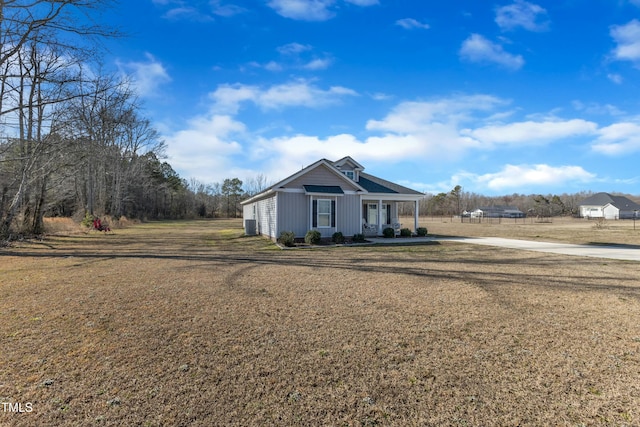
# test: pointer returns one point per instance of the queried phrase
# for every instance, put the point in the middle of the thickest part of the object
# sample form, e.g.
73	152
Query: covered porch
380	213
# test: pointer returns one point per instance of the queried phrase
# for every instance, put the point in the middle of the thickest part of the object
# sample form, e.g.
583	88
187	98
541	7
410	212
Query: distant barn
497	212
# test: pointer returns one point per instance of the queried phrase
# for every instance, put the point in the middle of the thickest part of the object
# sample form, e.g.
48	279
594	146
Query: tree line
457	201
73	138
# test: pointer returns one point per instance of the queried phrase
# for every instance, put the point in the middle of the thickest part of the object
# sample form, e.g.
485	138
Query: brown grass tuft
61	226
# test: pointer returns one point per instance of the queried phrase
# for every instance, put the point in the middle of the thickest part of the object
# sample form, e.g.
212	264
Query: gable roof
348	159
366	183
499	208
603	199
321	162
373	184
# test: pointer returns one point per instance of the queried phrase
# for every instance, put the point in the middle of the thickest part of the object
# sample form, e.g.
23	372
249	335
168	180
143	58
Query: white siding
265	215
587	211
611	212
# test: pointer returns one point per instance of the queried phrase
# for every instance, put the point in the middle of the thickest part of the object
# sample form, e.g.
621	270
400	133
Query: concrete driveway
596	251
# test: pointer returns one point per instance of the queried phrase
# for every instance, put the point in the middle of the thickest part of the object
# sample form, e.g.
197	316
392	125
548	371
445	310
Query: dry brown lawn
190	324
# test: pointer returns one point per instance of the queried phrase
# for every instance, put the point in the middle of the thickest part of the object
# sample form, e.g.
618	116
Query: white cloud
198	12
226	10
521	14
363	2
532	133
296	56
273	66
476	48
379	96
299	93
430	129
318	64
628	39
411	131
187	13
311	10
146	76
293	48
616	78
302	150
305	10
597	109
409	117
204	147
227	98
410	24
618	139
521	176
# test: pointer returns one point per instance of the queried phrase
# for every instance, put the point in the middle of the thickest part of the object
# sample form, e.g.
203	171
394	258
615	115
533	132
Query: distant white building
604	205
497	212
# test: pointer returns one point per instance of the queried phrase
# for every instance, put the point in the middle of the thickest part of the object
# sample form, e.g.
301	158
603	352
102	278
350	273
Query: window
324	213
349	174
372	213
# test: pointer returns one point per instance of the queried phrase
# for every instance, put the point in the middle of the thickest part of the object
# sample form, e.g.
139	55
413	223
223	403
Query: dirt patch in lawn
190	323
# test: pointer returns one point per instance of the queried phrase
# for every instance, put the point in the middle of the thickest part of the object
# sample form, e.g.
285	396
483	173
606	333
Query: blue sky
496	96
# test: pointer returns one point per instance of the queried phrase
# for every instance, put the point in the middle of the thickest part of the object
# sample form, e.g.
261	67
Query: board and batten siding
348	215
294	213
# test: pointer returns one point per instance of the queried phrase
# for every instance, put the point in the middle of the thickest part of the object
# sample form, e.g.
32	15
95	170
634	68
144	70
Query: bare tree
40	41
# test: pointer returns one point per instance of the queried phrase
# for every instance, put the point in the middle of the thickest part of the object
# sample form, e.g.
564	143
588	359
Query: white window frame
350	174
326	215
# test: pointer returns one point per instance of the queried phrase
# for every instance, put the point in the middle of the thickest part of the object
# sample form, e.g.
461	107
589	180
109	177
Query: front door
372	214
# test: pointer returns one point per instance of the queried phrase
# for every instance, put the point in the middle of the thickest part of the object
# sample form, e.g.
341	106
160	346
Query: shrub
421	231
312	237
405	232
358	238
87	221
287	238
388	232
337	237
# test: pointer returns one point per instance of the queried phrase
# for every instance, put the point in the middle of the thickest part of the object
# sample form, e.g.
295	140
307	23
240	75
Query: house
604	205
329	197
497	212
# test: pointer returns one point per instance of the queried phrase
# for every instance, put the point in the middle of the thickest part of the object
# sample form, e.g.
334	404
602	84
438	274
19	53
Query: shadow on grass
213	248
613	245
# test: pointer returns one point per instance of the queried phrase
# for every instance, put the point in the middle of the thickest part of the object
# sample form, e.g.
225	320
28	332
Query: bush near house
421	231
312	237
287	238
358	238
337	237
388	232
405	232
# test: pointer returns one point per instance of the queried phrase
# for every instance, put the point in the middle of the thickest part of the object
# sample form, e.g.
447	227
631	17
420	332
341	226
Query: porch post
310	212
362	214
416	216
379	216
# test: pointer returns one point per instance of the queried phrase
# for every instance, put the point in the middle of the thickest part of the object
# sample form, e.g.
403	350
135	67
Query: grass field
191	324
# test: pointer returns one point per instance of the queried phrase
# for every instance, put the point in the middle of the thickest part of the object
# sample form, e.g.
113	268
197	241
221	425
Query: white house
604	205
